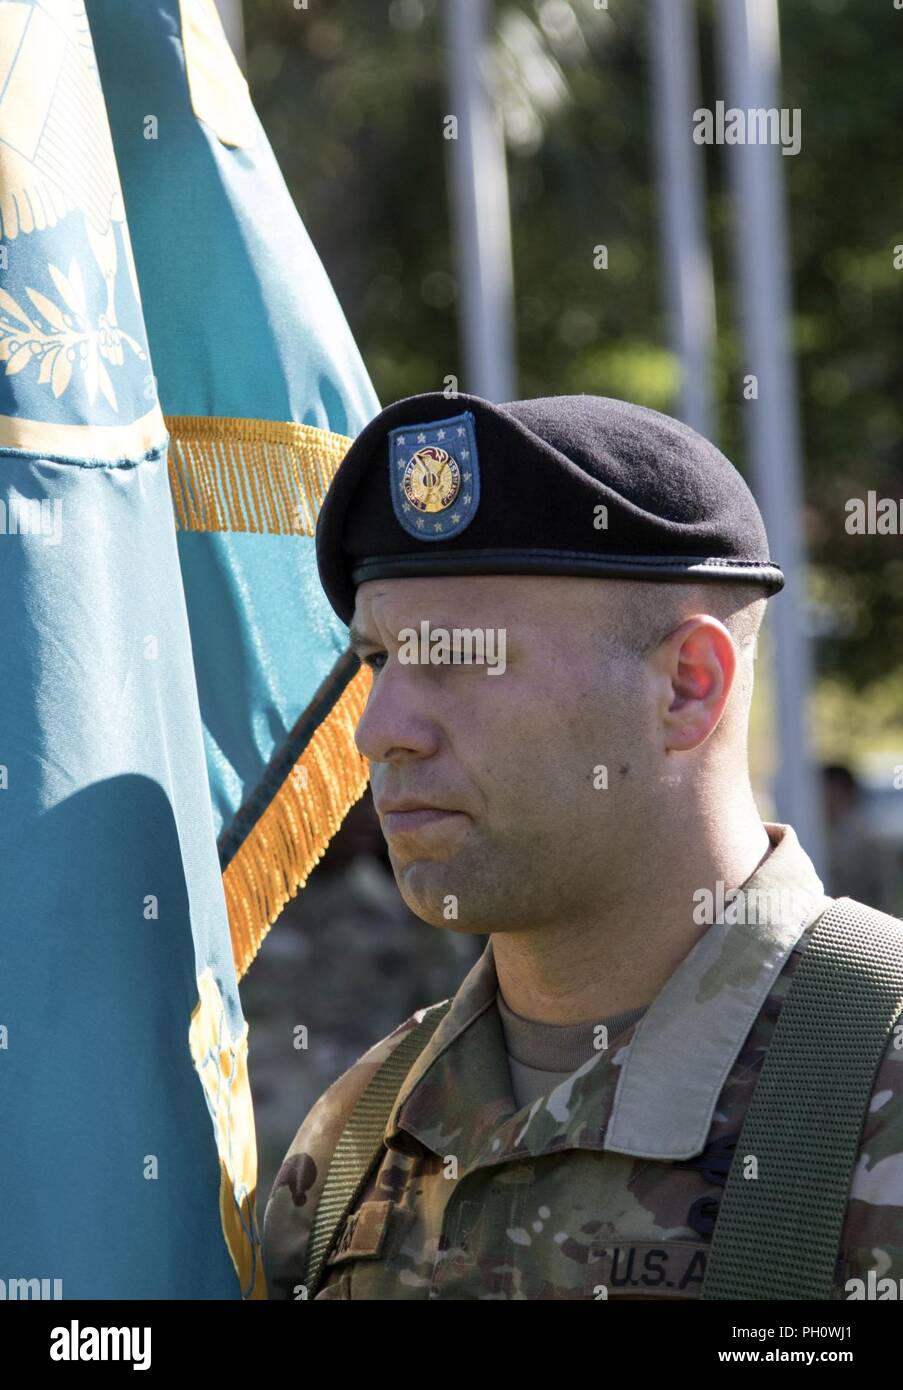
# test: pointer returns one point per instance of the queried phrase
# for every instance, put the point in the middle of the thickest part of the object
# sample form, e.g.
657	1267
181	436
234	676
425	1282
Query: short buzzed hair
646	612
652	610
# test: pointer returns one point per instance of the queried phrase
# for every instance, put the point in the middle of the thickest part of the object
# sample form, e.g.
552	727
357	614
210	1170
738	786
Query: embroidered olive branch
70	336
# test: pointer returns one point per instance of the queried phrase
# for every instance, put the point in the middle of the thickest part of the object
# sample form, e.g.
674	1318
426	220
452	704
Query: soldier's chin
428	891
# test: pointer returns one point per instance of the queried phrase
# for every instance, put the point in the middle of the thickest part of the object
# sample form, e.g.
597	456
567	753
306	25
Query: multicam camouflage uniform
608	1187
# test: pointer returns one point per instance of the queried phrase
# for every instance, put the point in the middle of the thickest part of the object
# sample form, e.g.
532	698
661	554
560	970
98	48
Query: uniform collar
654	1093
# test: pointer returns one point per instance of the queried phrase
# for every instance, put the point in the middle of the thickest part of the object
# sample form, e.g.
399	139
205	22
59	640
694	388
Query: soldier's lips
417	818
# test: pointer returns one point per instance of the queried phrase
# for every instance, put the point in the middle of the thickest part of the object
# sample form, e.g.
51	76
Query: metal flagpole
231	16
481	216
750	63
681	197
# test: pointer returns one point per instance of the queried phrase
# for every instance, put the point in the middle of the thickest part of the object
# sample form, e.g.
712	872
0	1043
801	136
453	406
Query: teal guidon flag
262	388
127	1153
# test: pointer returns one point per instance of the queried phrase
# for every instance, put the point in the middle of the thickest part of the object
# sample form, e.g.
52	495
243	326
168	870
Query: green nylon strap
777	1235
360	1145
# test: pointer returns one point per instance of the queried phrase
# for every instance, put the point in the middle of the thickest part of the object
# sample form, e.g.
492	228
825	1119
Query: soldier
559	600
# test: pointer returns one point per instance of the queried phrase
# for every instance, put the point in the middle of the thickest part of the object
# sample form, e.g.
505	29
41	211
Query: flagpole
480	211
230	14
750	62
681	198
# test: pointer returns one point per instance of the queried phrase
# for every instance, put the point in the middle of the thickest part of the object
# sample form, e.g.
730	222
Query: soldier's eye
374	660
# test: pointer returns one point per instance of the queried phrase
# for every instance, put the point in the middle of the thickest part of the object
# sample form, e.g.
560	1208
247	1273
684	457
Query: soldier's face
511	786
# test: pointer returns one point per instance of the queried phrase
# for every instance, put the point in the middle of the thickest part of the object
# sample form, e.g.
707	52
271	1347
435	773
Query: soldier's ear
694	667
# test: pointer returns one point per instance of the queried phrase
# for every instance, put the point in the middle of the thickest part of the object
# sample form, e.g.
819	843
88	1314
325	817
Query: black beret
579	485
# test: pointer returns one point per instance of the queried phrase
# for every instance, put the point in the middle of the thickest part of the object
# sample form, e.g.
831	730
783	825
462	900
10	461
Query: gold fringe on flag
230	474
270	476
276	858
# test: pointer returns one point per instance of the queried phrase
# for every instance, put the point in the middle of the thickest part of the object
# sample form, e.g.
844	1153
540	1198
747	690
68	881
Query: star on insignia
421	439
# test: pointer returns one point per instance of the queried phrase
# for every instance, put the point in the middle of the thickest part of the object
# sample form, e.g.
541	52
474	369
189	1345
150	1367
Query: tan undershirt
541	1055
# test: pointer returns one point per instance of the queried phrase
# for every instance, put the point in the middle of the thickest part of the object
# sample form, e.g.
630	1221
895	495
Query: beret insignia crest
434	476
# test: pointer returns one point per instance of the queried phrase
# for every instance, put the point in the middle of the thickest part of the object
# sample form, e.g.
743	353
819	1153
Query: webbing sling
777	1235
360	1145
